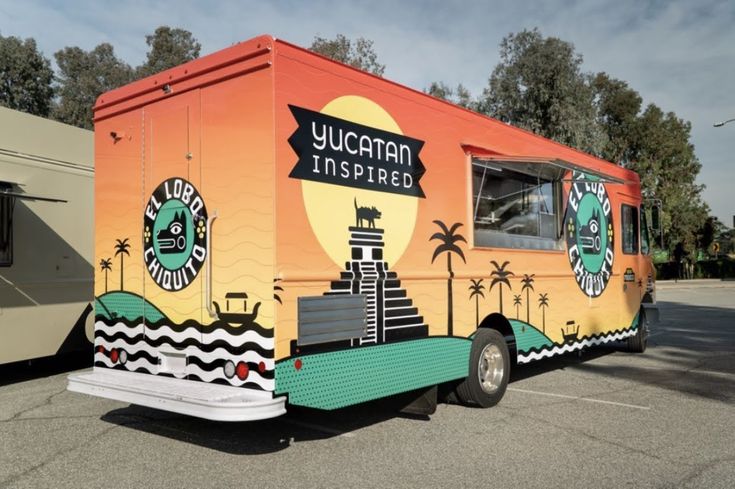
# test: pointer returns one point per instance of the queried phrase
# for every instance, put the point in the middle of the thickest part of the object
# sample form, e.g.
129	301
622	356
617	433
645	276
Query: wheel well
501	324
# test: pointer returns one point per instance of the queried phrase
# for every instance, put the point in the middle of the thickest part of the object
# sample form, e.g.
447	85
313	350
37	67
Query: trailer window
6	226
630	229
517	205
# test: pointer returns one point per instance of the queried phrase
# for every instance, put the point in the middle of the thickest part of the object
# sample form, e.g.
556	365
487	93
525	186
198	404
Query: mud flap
652	315
420	402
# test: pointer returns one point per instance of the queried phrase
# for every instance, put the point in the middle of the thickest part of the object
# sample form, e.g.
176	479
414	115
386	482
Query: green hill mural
528	337
119	304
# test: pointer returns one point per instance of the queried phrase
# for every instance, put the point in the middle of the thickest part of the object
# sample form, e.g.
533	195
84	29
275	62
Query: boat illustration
569	332
235	317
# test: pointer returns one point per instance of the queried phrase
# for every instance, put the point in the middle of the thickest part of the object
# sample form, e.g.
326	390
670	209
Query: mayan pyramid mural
391	314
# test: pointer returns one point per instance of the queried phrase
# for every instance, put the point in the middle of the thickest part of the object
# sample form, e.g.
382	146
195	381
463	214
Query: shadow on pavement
259	437
691	351
12	373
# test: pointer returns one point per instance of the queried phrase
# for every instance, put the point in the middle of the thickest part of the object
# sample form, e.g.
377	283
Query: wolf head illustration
589	235
172	239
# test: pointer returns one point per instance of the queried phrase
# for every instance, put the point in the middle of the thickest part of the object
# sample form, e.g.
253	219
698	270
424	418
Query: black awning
8	189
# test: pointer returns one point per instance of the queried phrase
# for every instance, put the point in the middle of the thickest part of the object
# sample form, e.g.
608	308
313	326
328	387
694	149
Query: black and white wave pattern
578	345
206	352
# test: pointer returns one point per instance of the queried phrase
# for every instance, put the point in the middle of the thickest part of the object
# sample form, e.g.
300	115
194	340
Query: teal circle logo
174	234
589	234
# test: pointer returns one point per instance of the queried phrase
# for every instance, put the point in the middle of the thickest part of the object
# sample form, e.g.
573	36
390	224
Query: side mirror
656	219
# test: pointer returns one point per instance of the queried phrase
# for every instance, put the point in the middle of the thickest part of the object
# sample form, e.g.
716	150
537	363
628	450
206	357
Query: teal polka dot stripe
337	379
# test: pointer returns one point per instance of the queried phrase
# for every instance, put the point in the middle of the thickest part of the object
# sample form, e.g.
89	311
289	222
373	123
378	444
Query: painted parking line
577	398
316	427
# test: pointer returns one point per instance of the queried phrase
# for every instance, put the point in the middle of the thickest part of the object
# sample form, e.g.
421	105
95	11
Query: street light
720	124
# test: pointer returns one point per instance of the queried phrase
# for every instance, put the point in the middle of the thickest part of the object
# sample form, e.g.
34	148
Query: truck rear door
173	230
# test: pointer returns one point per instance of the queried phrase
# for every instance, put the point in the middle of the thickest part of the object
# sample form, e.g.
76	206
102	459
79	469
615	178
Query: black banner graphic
336	151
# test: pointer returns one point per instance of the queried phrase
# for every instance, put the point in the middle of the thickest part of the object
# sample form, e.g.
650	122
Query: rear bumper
200	399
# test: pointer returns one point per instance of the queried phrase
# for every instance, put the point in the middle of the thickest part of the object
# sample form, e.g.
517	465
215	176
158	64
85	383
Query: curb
696	283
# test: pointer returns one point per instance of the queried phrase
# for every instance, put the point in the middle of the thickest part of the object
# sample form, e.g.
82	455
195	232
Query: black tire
638	342
488	343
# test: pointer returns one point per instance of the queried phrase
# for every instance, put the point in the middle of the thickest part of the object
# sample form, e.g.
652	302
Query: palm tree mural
527	282
448	245
476	292
543	303
121	248
500	276
105	266
517	303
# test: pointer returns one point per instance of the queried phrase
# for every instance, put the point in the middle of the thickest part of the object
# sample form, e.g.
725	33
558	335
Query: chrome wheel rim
490	369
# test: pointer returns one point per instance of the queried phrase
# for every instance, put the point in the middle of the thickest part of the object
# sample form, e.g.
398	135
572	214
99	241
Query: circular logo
174	234
589	234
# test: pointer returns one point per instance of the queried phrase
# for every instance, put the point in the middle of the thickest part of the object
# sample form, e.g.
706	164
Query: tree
617	107
500	276
25	77
543	303
121	248
458	96
538	85
517	302
168	48
105	266
707	232
527	282
359	54
665	160
84	76
476	291
657	146
448	245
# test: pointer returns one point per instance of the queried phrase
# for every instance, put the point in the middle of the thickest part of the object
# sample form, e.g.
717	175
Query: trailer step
208	401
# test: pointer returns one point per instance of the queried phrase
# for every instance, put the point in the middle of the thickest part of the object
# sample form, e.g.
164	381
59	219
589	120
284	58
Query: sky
677	54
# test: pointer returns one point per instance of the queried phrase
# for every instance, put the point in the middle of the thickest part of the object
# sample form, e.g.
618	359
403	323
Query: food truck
295	231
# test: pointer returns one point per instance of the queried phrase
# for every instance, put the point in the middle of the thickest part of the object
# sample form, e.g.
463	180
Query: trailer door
174	218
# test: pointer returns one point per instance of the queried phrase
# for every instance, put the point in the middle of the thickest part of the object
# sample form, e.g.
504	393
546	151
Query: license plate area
172	362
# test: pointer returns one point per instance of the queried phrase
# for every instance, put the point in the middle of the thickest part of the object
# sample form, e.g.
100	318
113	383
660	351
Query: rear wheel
489	370
638	342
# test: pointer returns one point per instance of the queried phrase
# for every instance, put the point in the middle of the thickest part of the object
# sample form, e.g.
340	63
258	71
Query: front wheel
489	370
638	342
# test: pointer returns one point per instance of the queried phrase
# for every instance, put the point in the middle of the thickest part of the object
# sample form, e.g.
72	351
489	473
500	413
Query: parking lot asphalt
603	418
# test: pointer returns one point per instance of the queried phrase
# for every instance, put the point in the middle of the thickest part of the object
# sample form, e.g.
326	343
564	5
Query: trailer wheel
638	342
489	370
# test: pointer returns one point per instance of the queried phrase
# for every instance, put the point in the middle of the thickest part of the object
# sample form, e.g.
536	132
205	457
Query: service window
629	219
645	241
517	205
6	227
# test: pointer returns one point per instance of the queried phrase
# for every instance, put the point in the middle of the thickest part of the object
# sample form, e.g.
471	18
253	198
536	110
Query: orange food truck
293	231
